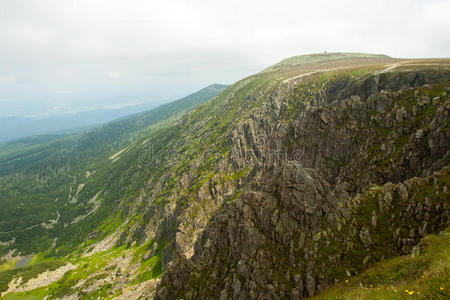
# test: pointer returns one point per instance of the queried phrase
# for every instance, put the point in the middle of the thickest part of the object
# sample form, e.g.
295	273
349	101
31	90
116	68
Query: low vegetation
422	276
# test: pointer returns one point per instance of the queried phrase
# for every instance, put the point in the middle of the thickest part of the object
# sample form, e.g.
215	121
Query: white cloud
69	51
114	75
8	79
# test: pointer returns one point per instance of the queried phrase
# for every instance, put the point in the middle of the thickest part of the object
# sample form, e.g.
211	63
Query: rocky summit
299	181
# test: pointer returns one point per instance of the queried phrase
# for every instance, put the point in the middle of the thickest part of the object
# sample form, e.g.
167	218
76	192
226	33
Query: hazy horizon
59	56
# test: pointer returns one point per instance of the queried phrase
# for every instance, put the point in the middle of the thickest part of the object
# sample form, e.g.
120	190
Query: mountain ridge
322	57
15	127
213	203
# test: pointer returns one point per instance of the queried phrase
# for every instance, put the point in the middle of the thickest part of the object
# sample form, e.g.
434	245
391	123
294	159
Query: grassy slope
95	266
36	179
88	269
22	154
315	58
426	276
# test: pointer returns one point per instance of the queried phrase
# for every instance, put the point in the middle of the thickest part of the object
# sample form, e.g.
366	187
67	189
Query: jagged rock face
345	173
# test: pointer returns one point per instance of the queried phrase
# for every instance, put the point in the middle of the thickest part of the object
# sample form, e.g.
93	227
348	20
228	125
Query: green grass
36	173
27	272
37	294
8	264
426	276
320	57
89	269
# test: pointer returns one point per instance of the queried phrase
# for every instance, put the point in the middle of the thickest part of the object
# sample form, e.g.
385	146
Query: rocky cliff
290	181
334	169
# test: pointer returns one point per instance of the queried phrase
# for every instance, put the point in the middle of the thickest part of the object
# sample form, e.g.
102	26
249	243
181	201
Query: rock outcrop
342	171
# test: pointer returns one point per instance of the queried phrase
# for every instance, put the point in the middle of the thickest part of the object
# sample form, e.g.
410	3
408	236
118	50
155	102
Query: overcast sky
64	55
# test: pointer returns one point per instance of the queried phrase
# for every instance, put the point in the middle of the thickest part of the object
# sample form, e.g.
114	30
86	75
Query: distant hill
12	128
100	139
16	127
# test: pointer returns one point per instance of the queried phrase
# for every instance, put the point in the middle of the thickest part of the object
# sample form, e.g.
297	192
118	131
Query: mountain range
17	127
324	175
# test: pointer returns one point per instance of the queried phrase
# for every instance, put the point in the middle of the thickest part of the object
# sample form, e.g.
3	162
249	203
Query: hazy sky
62	55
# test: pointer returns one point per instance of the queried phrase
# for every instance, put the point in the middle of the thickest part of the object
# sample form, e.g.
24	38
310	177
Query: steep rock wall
344	172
